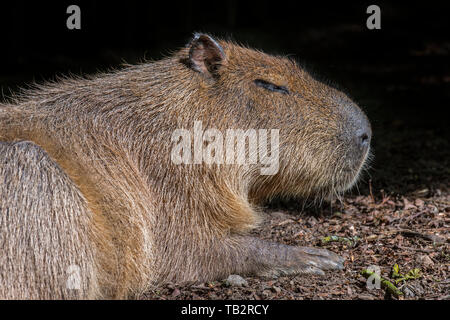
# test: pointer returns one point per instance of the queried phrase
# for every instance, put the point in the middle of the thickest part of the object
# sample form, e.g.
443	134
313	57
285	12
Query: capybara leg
275	259
280	259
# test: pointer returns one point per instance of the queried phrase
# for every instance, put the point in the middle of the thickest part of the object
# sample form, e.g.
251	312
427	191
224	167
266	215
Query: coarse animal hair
86	176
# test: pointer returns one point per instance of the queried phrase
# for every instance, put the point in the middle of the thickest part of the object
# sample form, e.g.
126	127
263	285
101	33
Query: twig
429	237
415	249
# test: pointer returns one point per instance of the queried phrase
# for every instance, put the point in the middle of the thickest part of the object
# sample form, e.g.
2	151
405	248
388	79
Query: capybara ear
205	54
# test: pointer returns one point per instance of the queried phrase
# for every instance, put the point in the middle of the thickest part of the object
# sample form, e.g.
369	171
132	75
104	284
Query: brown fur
93	184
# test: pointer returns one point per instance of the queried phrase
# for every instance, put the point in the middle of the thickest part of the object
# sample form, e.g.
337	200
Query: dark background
399	75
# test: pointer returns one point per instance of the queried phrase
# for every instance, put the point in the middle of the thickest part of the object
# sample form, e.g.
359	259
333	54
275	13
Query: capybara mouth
351	176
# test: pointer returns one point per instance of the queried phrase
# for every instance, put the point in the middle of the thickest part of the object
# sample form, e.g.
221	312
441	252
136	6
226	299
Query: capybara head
324	137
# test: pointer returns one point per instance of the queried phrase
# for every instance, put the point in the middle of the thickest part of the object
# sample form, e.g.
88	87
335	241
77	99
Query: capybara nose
363	136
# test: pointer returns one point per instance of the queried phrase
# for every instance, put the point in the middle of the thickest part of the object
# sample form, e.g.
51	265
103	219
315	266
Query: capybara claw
321	258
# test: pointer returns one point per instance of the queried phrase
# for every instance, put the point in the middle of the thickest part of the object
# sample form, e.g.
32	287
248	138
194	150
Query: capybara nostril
363	134
364	139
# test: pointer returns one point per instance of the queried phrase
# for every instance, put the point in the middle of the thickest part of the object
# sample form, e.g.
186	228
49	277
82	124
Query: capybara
98	198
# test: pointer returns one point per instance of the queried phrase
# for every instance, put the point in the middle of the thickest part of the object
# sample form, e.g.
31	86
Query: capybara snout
356	134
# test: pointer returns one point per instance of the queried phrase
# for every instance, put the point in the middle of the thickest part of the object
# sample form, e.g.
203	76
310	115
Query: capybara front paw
307	260
321	258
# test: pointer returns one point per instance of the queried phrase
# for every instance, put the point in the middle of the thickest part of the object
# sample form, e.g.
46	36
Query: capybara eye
270	86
